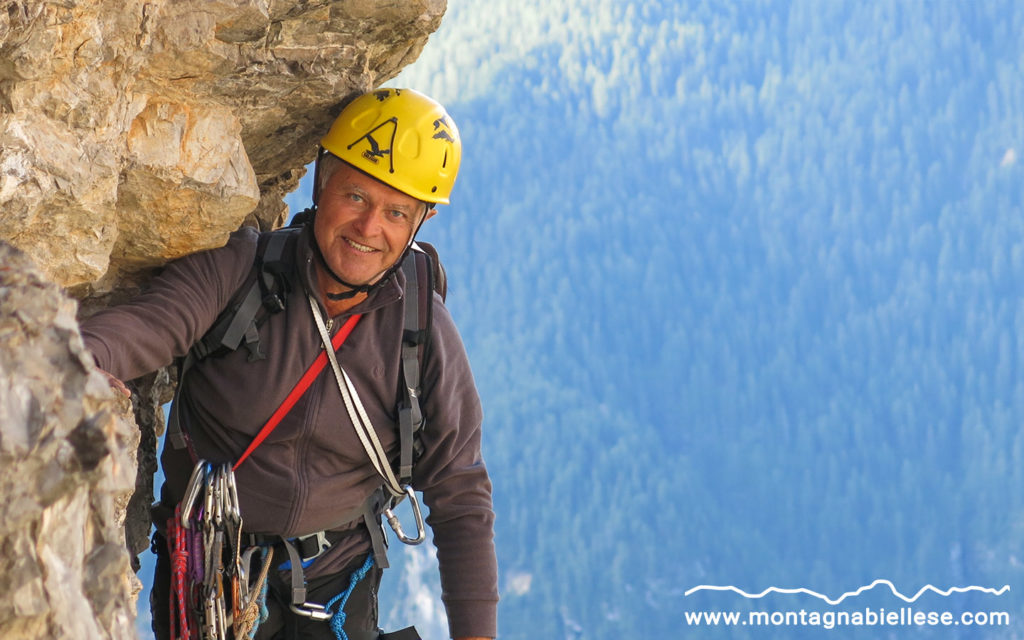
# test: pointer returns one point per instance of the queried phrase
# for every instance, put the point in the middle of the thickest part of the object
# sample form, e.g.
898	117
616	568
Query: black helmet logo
375	150
442	130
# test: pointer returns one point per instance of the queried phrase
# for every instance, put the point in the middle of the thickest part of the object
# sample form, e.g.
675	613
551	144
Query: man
390	156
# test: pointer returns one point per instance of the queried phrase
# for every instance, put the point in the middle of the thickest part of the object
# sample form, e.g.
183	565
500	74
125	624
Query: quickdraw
210	588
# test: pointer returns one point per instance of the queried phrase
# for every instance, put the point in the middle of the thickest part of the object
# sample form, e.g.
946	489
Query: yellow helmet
402	138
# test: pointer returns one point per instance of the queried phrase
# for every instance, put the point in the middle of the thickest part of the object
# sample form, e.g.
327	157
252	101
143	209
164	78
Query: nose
368	221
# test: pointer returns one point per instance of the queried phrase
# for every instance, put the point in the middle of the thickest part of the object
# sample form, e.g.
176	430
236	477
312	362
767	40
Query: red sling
300	388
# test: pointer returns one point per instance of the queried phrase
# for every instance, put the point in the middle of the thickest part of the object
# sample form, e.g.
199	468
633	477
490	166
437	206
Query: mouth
361	248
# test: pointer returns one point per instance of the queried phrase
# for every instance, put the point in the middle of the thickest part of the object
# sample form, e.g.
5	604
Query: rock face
67	471
133	132
138	131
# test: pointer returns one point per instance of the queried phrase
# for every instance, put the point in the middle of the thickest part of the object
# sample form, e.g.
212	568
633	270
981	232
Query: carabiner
312	611
209	505
195	481
396	526
218	485
234	507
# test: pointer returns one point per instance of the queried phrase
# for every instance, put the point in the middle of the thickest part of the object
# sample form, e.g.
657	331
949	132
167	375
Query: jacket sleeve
455	485
178	307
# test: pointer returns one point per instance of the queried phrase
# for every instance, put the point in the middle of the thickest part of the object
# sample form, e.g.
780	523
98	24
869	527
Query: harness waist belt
309	546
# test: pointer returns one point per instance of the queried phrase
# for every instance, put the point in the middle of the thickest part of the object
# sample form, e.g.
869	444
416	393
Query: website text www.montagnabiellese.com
867	617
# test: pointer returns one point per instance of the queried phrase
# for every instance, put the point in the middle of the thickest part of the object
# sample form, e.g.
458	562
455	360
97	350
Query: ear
430	214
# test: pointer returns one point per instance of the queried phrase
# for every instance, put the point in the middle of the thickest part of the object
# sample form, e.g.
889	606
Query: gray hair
327	164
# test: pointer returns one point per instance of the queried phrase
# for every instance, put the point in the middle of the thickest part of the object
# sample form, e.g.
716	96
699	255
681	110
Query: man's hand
116	383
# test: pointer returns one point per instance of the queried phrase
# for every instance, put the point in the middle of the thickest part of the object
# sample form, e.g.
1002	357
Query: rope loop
339	616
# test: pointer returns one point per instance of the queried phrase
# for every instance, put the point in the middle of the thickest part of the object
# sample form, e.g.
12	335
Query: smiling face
362	225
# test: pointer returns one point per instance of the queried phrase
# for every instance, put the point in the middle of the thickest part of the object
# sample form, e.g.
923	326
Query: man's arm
180	304
455	485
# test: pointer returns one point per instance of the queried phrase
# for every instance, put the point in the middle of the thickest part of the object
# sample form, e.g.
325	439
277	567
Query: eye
355	197
397	214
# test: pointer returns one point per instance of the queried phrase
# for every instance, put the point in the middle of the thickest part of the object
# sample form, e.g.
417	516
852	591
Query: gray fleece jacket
313	469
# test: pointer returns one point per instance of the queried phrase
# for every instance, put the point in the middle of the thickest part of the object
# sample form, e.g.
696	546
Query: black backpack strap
176	435
241	324
410	415
424	276
439	278
267	291
240	319
372	509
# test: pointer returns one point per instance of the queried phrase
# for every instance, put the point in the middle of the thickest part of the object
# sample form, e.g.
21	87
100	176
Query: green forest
741	287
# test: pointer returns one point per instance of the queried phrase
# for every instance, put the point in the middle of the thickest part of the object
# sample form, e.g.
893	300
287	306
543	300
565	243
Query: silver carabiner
208	502
195	482
234	507
396	526
218	486
312	611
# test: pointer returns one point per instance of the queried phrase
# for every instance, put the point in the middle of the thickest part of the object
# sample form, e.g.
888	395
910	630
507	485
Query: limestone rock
135	131
67	471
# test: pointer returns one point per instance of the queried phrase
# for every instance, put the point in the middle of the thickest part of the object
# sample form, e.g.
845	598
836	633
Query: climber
310	487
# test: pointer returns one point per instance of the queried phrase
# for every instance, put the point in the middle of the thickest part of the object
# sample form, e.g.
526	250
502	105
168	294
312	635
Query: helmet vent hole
444	161
433	189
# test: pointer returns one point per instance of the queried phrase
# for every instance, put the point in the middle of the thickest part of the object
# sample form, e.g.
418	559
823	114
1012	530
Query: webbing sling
371	443
356	412
378	457
411	420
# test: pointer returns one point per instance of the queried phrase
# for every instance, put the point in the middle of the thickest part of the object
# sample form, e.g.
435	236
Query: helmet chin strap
353	289
356	289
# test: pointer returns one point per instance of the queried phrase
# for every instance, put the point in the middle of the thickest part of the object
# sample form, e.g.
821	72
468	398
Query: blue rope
338	618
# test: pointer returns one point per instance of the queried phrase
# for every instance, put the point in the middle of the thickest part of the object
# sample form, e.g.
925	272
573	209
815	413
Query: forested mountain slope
741	286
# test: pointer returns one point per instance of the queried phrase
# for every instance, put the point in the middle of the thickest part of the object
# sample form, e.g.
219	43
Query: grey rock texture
67	471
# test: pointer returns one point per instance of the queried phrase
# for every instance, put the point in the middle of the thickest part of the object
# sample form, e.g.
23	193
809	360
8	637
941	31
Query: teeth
359	247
